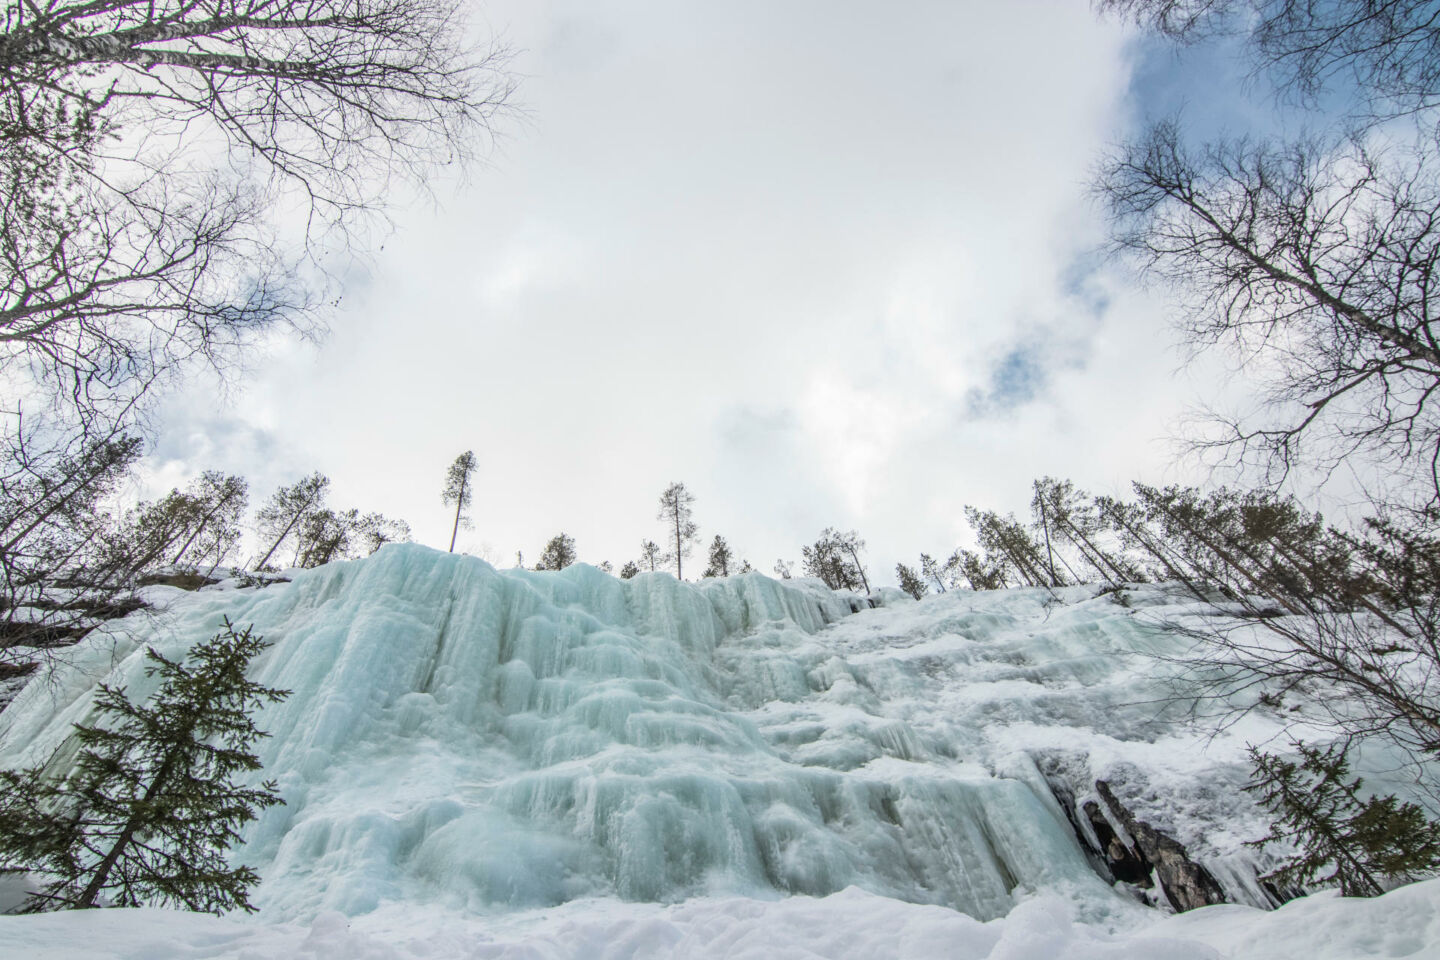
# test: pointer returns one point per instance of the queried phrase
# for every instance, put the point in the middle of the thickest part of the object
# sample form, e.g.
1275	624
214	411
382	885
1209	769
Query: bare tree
116	290
1317	267
675	510
459	491
333	95
125	251
1386	51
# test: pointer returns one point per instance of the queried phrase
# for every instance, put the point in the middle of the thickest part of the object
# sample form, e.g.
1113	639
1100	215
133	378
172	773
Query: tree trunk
459	502
1045	528
285	533
679	574
102	871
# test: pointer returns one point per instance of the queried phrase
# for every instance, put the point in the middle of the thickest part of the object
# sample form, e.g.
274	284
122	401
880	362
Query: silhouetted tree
458	490
122	259
281	518
675	510
201	524
720	558
932	571
982	573
835	559
651	555
1009	548
558	554
374	530
910	582
55	534
629	571
151	803
1342	839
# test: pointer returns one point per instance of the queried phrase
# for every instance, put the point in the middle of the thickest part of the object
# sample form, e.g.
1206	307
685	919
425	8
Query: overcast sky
829	264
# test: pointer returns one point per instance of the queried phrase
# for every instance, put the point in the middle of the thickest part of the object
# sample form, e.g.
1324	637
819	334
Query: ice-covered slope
482	741
515	739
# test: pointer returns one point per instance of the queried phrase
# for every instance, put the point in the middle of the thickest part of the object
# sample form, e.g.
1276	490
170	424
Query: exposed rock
181	579
10	671
1187	884
1126	865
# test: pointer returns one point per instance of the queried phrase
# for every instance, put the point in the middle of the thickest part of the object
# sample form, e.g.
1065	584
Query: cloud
800	256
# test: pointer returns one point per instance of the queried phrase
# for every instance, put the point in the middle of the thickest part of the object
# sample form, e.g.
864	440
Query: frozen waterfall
492	740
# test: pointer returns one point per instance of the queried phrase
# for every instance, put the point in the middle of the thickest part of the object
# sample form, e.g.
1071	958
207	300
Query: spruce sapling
151	805
1341	838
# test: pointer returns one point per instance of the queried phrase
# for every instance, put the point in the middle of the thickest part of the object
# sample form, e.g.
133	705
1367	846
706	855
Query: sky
826	263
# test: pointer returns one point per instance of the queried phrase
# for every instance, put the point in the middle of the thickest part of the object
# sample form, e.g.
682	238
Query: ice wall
500	739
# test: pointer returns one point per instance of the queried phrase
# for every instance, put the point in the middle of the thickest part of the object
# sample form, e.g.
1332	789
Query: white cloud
766	249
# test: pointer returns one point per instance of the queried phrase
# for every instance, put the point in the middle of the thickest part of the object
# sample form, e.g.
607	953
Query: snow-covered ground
850	925
483	763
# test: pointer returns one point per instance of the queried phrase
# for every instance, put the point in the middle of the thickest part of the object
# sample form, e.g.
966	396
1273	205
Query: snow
487	763
849	925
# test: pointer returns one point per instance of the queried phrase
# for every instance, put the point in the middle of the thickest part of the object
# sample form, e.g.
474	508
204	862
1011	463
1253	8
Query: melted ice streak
494	740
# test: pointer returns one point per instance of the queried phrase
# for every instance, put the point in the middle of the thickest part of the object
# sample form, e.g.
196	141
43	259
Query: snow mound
849	925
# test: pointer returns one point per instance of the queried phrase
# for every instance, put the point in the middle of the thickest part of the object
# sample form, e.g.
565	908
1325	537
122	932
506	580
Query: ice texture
492	741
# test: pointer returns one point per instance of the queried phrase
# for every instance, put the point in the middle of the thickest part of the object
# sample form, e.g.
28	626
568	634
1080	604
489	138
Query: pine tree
910	582
651	555
982	573
151	804
629	571
720	558
200	524
374	530
835	559
287	509
931	571
1341	838
675	511
558	554
459	491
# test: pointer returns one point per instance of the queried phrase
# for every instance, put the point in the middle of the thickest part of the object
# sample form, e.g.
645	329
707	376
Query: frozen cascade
491	740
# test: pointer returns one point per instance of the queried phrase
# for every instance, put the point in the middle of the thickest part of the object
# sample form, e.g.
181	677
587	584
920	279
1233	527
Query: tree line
1309	261
1340	622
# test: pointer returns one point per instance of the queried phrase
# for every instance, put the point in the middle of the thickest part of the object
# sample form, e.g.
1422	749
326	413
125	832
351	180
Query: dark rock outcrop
180	578
1126	865
1186	884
